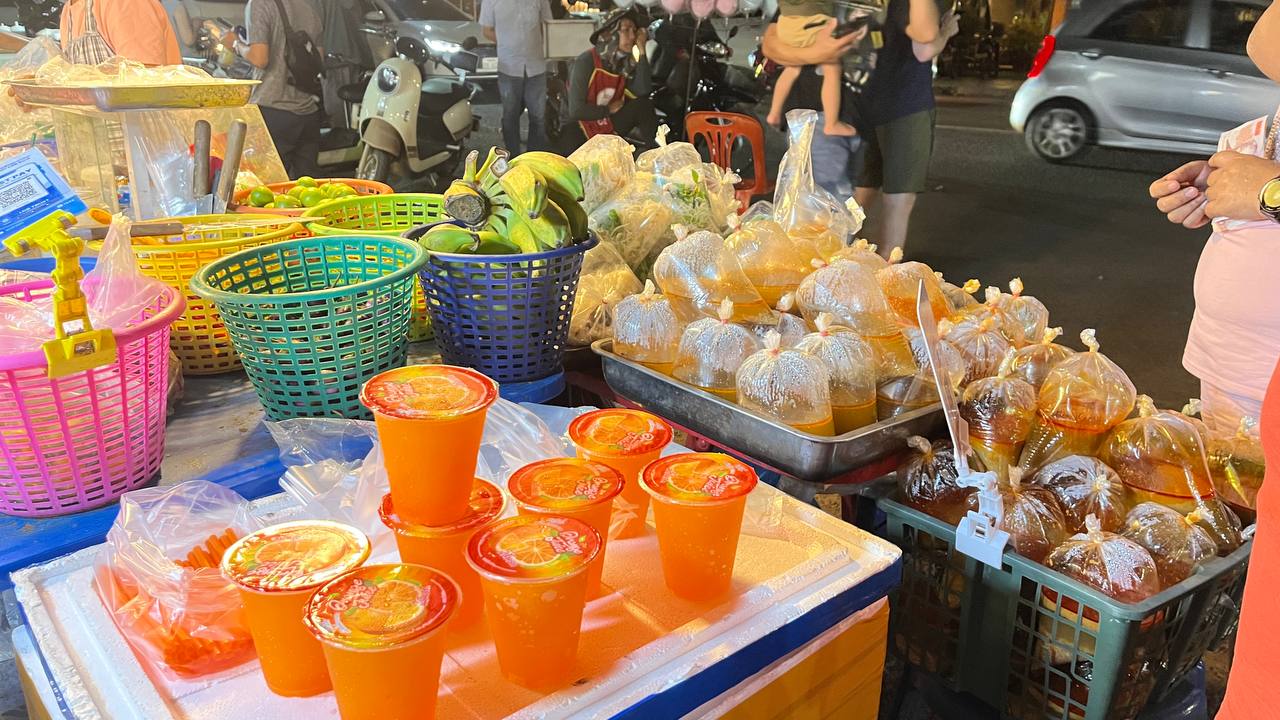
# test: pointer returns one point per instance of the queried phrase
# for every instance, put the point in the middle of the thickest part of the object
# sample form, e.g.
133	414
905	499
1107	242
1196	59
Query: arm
923	21
488	21
641	82
579	78
926	52
824	50
183	26
257	24
489	33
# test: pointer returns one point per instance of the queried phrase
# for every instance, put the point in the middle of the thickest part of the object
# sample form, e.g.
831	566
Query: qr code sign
19	194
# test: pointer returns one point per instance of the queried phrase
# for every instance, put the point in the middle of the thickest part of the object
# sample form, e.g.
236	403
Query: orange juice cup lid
533	548
698	478
381	606
486	505
428	392
564	484
294	555
619	432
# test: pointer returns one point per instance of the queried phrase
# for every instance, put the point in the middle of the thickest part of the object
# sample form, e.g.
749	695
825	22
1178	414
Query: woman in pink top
137	30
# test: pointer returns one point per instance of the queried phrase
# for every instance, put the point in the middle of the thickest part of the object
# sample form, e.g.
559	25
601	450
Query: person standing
898	111
94	31
341	20
516	26
290	104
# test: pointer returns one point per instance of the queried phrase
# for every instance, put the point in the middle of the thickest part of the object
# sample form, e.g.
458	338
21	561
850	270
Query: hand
1180	194
950	24
1235	183
616	104
827	49
642	38
230	37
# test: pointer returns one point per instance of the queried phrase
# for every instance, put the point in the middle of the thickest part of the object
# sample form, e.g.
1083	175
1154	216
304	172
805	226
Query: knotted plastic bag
1081	398
999	411
1085	486
699	271
1033	362
1027	313
160	578
863	253
1110	563
960	297
789	326
773	262
635	221
901	395
701	196
900	282
996	307
711	350
980	343
927	478
605	281
1032	517
1238	466
788	386
1176	542
646	330
607	167
803	208
851	368
949	357
665	160
849	292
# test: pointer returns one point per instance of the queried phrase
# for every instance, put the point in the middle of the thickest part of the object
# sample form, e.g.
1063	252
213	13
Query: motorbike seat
444	90
352	93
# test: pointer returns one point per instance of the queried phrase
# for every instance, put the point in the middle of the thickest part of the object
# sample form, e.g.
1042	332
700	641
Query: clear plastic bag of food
1034	361
900	282
862	252
1238	466
711	351
1160	456
788	386
802	207
999	411
1176	542
605	281
901	395
160	578
1086	486
636	222
1027	313
646	330
1032	517
607	167
960	297
789	326
849	292
773	262
980	343
951	360
851	366
667	159
1081	398
699	271
927	479
1110	563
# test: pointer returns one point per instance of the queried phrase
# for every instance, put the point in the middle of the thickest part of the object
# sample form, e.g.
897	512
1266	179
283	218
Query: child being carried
798	26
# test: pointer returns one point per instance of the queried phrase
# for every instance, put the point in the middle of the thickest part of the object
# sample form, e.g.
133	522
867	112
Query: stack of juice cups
277	569
627	441
444	547
533	571
382	628
570	487
698	502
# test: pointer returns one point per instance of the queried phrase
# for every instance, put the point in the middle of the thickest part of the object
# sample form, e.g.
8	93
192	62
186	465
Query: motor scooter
413	127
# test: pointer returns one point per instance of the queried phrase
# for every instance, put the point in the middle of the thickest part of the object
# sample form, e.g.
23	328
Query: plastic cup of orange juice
382	628
277	569
627	441
698	501
444	547
430	420
533	572
570	487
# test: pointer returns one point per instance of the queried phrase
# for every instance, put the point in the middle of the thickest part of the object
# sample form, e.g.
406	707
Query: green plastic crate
1018	640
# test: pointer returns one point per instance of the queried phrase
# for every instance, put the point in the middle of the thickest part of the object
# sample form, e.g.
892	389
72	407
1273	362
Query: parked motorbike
696	76
416	128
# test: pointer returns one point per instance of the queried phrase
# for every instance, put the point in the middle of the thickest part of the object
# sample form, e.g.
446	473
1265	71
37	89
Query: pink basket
80	441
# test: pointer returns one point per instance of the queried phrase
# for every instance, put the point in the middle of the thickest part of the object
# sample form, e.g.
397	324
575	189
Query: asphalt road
1084	237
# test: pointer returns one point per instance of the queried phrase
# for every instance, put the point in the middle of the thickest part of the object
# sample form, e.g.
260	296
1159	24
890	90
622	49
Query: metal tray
806	457
113	98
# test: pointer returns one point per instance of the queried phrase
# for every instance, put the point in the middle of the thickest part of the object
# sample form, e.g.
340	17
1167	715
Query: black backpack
301	57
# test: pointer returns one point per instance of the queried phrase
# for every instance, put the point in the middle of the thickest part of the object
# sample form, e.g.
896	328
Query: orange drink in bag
533	571
277	569
430	420
627	441
382	628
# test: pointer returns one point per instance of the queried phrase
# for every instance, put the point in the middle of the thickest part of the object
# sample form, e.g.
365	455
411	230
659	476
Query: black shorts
896	154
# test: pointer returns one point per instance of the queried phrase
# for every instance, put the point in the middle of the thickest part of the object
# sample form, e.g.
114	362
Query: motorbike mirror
733	32
464	61
412	49
375	16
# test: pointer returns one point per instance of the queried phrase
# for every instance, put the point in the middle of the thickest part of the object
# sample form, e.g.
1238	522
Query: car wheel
1058	133
374	165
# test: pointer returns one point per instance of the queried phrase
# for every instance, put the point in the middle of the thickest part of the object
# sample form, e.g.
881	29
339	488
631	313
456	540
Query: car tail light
1047	46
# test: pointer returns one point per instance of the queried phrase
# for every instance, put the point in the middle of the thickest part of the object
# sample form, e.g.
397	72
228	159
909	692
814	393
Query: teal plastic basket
312	319
1038	645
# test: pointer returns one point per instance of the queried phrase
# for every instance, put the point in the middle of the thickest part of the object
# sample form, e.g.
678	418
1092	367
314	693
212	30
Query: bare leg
781	89
897	216
831	81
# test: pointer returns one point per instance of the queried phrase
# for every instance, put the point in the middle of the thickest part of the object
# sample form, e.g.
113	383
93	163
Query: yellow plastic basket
199	337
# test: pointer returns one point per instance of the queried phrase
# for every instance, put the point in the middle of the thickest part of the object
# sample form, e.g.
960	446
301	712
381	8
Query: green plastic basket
314	318
389	215
1038	645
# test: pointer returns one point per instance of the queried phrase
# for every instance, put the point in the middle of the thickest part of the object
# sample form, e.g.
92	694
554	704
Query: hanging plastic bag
851	367
116	290
1033	362
1081	398
848	291
1110	563
1238	465
711	352
1027	313
1176	542
699	271
927	478
160	578
606	165
1085	486
900	282
801	207
999	411
788	386
646	330
981	345
1032	517
605	281
773	262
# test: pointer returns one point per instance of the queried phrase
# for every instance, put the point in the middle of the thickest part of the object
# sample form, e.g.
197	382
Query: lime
297	190
311	197
288	201
306	181
261	196
330	190
341	189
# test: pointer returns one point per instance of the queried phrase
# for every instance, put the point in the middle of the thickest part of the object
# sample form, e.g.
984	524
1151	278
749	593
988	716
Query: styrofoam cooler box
801	576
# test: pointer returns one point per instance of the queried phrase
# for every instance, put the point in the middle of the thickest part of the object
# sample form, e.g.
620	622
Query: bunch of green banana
450	238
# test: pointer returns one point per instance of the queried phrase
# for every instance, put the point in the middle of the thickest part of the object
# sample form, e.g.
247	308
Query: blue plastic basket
504	315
